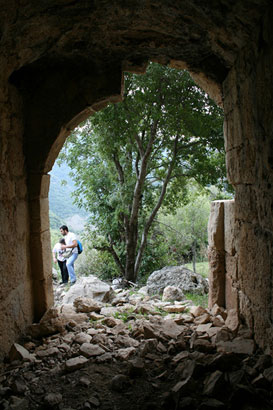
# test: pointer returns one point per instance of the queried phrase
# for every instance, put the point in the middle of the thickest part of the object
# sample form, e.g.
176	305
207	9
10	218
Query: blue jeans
70	267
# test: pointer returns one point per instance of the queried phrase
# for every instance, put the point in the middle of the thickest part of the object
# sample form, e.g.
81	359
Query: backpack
80	248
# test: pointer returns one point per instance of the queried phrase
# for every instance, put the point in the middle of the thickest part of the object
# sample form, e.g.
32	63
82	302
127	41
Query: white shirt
69	238
58	249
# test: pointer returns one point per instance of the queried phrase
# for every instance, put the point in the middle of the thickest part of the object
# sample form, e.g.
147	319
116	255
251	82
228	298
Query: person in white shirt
58	251
70	243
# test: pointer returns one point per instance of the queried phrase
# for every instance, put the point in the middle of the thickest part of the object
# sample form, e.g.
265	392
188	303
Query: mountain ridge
61	203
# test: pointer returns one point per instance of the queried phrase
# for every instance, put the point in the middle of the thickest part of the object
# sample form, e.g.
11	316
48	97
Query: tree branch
118	168
142	174
110	249
156	208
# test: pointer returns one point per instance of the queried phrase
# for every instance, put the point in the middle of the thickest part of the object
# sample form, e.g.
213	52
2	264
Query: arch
60	62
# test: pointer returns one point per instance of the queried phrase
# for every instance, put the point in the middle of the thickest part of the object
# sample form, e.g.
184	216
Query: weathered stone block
216	226
216	277
229	221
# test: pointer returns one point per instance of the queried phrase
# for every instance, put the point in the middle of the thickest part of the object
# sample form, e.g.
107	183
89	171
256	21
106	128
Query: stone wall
249	146
223	256
16	303
241	247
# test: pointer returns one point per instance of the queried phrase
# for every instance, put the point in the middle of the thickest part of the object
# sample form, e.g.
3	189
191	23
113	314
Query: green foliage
198	300
201	267
133	155
187	228
125	315
55	221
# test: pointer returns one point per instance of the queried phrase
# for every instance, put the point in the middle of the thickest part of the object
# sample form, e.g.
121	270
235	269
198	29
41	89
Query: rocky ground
136	352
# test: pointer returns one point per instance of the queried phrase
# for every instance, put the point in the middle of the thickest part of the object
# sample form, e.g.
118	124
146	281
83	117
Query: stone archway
61	61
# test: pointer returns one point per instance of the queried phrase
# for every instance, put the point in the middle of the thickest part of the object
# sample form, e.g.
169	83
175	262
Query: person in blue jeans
71	243
57	251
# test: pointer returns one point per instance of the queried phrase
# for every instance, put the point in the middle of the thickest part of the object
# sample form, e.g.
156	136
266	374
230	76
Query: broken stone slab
218	321
64	347
150	332
95	316
53	399
180	356
52	351
174	309
68	337
217	310
89	350
82	337
43	329
90	287
126	341
77	318
94	401
202	319
109	311
75	363
145	309
214	383
242	346
136	368
125	353
203	345
111	322
223	335
232	321
148	346
268	374
261	382
105	357
120	300
170	329
212	333
18	352
161	348
187	318
87	305
172	293
204	328
184	386
197	311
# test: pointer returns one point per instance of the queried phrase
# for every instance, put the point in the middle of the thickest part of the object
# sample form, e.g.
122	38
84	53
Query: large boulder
89	287
178	276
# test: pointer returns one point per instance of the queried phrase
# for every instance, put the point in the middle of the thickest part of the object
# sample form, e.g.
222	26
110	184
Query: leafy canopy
136	156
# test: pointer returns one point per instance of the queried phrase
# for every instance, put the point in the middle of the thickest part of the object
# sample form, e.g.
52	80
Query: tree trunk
131	245
194	256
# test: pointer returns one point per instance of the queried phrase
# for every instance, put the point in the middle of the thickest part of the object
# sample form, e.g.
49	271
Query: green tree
186	230
131	156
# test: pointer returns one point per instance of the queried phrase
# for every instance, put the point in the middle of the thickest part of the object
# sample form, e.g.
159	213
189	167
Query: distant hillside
62	209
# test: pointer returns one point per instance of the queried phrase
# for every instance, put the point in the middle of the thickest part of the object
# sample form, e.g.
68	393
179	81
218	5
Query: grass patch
124	316
199	300
201	267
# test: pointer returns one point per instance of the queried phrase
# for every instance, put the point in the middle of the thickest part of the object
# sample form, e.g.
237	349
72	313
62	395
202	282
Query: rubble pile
136	352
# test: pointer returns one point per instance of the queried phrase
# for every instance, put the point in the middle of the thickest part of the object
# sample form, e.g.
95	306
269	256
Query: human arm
73	245
54	251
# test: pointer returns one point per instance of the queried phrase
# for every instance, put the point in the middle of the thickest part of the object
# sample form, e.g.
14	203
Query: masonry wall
51	86
16	305
223	256
248	96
